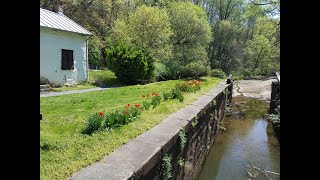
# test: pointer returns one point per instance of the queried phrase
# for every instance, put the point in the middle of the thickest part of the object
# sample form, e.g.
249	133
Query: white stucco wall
51	43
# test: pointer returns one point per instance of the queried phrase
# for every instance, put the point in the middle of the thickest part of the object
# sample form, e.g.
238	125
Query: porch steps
45	88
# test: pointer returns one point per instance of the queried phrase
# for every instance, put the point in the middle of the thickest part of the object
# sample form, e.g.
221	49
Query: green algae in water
250	107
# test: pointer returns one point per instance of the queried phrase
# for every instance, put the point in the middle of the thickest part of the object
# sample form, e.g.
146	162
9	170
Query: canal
247	148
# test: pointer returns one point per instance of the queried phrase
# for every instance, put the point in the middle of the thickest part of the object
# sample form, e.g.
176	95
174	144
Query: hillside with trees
184	38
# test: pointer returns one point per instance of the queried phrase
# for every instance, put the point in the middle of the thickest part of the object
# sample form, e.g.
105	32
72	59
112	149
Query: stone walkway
48	94
260	89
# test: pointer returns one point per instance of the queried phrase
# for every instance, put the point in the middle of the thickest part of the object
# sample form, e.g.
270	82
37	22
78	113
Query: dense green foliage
217	73
147	28
93	123
192	32
167	167
94	47
236	36
108	121
131	66
195	70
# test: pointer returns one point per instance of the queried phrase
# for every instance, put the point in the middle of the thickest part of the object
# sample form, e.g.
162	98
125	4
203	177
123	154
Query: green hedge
130	65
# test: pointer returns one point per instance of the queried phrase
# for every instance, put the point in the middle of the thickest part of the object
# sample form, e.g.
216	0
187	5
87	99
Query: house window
67	59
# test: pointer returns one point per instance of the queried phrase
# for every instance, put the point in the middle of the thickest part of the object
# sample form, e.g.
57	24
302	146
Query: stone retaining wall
275	101
142	157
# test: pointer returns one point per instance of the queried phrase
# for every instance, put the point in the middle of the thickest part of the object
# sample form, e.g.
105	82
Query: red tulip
100	114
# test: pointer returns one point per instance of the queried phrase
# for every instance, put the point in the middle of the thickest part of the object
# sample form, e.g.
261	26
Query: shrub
156	99
184	87
180	97
194	70
191	86
121	117
115	119
196	85
130	65
194	123
173	70
108	122
177	94
93	123
146	105
167	167
237	77
181	162
135	111
166	95
218	73
183	139
247	73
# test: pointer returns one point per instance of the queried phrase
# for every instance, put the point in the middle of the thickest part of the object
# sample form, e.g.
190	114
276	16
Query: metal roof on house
60	21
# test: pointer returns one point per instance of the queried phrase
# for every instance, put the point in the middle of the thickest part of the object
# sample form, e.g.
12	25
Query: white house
63	49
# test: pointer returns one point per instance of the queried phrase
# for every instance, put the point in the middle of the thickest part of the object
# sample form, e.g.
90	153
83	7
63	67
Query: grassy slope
65	150
105	77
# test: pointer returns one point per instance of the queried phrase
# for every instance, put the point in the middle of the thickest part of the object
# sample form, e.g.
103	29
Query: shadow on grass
104	79
107	84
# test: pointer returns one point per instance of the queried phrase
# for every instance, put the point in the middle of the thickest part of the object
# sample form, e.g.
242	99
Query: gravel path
48	94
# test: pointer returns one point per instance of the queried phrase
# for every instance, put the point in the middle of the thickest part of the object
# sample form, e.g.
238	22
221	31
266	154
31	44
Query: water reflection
245	150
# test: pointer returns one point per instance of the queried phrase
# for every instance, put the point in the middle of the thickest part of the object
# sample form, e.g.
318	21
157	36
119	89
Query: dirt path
260	89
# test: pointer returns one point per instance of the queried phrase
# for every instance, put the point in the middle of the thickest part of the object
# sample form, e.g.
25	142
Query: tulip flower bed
65	148
190	86
100	122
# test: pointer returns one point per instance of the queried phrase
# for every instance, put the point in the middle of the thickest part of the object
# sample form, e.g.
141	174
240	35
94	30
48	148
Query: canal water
247	149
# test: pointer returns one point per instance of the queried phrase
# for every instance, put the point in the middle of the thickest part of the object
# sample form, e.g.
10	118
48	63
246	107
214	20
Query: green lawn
100	78
64	150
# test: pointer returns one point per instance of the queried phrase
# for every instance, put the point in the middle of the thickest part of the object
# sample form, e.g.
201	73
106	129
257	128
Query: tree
218	10
192	32
146	28
270	29
177	33
259	52
94	51
223	50
270	7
